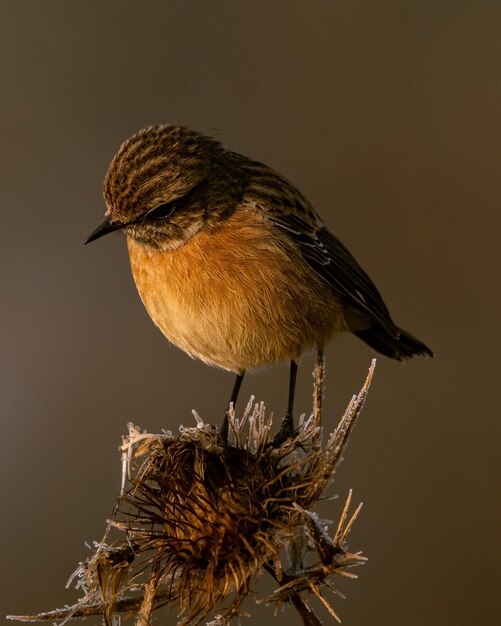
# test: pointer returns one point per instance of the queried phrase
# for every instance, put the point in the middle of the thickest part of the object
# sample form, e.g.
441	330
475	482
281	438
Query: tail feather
404	346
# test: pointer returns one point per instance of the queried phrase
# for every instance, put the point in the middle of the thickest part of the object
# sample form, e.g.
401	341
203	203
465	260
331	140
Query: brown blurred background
387	116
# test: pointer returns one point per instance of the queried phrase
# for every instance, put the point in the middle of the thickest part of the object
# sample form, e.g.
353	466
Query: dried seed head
200	519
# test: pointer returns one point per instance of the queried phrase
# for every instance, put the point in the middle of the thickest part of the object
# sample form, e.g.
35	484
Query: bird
232	262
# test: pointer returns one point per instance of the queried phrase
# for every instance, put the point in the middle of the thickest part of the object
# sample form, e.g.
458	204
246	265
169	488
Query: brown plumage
237	296
231	261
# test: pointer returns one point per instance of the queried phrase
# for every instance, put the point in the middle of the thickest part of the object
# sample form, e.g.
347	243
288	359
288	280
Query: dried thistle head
201	520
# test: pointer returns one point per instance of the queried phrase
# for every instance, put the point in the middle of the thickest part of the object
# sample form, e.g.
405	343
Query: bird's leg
233	400
289	418
287	426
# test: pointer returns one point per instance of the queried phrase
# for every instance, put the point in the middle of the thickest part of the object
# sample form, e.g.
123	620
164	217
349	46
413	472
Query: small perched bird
232	262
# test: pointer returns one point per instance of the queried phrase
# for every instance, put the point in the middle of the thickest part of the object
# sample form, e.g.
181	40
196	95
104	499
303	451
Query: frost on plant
199	520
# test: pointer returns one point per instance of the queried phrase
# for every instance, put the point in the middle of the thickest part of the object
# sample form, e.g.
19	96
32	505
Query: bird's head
150	183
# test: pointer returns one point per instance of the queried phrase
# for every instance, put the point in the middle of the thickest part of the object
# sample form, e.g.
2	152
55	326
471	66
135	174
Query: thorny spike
350	523
319	595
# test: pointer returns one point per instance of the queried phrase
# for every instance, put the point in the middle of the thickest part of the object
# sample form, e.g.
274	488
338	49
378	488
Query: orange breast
238	296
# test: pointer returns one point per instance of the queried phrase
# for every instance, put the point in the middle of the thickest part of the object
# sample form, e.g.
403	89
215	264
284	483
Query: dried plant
198	520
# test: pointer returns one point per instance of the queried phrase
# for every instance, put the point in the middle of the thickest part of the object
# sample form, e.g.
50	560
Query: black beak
103	229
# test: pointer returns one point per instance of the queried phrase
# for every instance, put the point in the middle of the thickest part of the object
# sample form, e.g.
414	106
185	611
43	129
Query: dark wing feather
327	256
289	211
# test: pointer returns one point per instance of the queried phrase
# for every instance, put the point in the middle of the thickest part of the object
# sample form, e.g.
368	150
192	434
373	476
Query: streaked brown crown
157	165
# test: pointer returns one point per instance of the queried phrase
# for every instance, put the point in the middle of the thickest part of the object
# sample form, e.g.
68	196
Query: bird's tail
403	346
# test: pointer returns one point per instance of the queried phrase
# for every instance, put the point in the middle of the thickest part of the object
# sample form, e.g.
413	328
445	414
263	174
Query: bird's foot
286	431
225	428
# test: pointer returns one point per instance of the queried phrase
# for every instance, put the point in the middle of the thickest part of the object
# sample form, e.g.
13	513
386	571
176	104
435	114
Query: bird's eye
162	211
